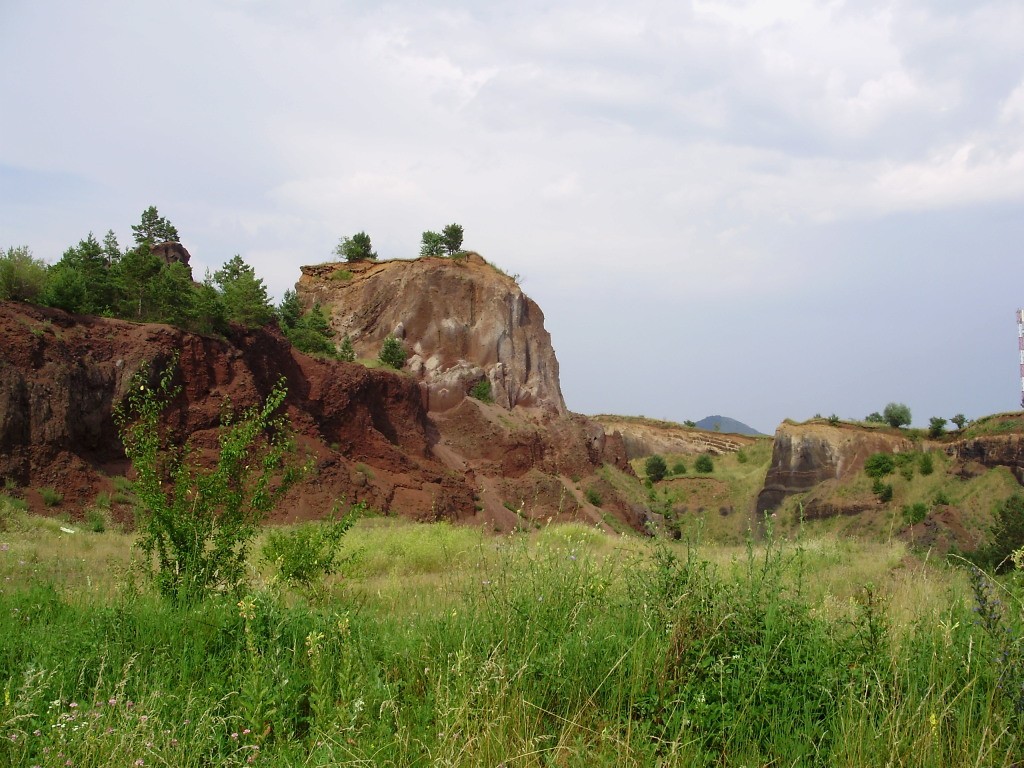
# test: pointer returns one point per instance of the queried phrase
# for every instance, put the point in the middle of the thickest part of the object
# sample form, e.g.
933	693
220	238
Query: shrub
882	490
941	499
896	414
308	552
22	277
356	248
833	420
197	523
679	468
655	468
741	456
960	420
593	496
914	513
875	418
482	391
392	353
51	497
879	465
704	464
926	464
936	426
96	519
1007	535
346	352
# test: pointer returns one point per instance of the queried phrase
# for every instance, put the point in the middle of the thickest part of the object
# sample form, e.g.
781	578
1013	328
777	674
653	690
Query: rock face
805	455
368	432
460	320
992	451
645	437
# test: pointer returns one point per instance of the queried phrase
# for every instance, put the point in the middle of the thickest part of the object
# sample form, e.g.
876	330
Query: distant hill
725	424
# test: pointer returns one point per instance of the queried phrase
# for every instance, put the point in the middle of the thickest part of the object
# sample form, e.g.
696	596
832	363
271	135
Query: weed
51	497
593	496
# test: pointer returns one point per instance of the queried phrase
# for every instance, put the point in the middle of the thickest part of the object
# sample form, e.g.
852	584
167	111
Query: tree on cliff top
154	228
896	414
356	248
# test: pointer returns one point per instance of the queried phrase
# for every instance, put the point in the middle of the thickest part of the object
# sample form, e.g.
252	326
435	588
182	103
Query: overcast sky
755	208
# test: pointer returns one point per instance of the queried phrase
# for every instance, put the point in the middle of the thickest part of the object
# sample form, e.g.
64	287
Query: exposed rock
460	320
805	455
173	253
645	437
990	451
368	432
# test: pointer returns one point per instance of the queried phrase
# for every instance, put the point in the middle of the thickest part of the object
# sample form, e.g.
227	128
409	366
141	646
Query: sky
761	209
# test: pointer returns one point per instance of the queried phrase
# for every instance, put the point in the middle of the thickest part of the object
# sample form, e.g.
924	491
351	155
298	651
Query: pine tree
244	295
347	352
154	228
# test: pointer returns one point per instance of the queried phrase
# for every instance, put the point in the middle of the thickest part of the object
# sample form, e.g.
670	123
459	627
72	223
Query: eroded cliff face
368	433
460	320
991	451
646	437
805	455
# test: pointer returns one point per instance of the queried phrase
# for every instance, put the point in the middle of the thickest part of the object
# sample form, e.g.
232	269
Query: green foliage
896	414
833	420
655	468
50	496
679	468
432	244
593	496
356	248
308	553
704	464
936	426
451	238
690	423
741	456
941	499
392	353
312	332
882	490
153	229
960	420
926	464
879	465
244	295
196	523
914	513
22	277
346	352
875	418
1006	537
289	311
82	281
482	391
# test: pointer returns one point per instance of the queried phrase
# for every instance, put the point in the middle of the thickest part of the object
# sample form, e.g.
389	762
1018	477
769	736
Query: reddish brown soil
368	432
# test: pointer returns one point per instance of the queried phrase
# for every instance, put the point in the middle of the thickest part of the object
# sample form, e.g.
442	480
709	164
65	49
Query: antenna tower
1020	338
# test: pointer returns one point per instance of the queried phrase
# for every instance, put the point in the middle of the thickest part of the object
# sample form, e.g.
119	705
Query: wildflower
143	718
246	732
234	736
73	705
112	701
140	761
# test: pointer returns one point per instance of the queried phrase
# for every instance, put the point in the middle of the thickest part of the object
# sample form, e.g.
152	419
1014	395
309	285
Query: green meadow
434	645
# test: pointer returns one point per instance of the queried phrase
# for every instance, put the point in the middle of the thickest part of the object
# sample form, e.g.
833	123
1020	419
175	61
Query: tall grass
442	646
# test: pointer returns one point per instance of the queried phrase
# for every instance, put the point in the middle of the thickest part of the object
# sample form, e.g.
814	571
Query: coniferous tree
347	352
289	311
154	228
244	295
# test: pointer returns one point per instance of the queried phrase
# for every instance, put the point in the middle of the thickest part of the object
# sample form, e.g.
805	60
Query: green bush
346	352
896	414
741	456
914	513
308	552
879	465
392	353
679	468
593	496
22	277
704	464
1007	535
926	464
482	391
655	468
196	523
51	497
936	426
882	490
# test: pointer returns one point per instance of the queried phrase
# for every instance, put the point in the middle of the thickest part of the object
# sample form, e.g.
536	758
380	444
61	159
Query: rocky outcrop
992	451
460	320
805	455
645	437
368	432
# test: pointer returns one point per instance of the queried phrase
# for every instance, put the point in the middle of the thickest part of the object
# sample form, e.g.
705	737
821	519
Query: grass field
444	646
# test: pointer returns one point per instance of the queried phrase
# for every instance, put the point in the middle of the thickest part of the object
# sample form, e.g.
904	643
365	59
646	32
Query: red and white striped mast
1020	337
